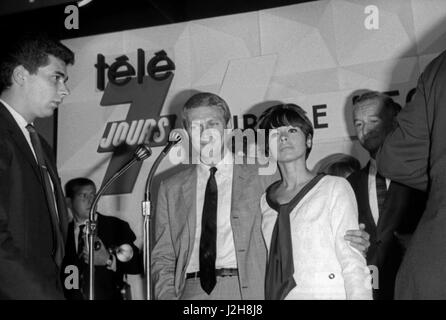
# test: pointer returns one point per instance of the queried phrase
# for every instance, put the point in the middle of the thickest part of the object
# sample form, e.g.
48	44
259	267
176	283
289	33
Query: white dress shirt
226	257
373	196
22	123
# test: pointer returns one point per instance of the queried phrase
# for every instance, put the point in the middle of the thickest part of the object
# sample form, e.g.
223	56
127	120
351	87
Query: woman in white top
305	217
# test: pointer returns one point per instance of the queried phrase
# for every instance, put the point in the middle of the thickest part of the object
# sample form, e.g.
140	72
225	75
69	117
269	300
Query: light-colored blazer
325	265
175	223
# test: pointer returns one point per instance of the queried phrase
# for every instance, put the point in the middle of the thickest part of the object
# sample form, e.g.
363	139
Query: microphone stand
146	212
141	153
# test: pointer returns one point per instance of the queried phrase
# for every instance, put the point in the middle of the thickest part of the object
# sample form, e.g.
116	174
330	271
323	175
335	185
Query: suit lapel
366	212
60	200
187	204
392	211
70	244
237	191
19	140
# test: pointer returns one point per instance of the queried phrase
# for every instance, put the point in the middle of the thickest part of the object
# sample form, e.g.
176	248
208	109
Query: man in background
389	210
114	255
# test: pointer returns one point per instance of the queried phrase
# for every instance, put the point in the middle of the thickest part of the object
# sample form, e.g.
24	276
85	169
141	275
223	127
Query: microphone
141	153
174	138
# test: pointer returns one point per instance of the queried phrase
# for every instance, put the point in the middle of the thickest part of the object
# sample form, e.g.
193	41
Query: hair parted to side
73	186
30	50
288	114
205	99
386	101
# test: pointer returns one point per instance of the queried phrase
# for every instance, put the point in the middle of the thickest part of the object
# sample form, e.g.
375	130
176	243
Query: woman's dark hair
288	114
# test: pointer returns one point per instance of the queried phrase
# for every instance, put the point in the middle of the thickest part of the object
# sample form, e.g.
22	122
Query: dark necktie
381	190
80	240
208	240
58	243
280	268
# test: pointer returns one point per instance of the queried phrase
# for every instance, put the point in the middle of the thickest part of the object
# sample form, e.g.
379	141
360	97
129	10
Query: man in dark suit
115	253
389	210
415	154
33	217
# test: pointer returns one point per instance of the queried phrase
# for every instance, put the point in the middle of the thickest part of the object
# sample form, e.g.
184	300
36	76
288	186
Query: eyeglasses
85	196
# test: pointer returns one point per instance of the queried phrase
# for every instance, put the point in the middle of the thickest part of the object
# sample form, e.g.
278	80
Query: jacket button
331	276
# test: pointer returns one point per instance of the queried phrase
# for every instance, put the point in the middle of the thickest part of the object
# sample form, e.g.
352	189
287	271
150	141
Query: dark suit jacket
113	232
27	267
403	209
415	154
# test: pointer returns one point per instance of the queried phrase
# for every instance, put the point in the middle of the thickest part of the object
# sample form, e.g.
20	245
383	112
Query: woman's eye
292	130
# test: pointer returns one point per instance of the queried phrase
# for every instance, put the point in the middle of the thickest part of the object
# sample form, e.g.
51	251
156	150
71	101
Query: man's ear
19	74
68	202
229	124
309	141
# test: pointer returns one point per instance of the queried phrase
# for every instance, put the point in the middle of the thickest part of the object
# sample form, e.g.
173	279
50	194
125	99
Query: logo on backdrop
145	88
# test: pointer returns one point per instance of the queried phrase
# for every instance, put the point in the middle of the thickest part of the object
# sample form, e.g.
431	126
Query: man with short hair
33	217
112	235
208	240
385	207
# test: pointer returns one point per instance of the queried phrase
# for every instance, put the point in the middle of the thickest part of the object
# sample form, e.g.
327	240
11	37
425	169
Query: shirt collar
83	222
224	167
17	116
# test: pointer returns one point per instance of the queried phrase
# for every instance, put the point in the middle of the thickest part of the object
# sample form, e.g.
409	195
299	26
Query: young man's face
45	90
81	202
372	124
206	127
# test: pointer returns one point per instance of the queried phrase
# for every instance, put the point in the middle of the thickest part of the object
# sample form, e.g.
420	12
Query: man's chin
48	113
210	160
372	151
